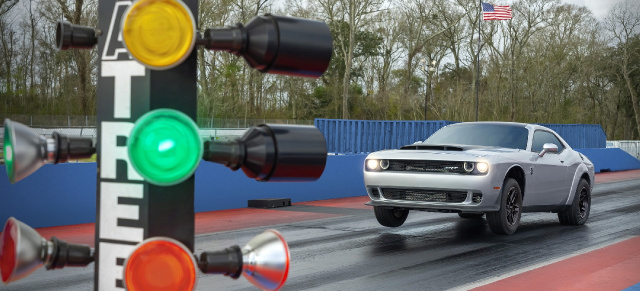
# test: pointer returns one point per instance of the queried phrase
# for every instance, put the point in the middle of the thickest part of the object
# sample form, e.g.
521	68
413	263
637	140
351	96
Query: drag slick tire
390	217
578	212
507	219
471	215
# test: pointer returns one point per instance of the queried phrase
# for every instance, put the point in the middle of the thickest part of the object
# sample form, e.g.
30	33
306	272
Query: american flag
495	12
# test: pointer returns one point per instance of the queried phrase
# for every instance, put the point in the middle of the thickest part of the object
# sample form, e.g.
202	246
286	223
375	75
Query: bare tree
623	22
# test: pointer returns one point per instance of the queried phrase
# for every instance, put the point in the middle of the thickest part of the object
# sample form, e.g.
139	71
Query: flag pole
478	61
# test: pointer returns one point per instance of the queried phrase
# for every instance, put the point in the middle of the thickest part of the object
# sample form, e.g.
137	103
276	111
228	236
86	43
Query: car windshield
496	135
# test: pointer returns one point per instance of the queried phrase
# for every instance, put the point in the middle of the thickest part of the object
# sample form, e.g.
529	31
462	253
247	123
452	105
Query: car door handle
562	162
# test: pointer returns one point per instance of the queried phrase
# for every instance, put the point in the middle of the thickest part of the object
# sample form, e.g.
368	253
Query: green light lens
165	147
8	151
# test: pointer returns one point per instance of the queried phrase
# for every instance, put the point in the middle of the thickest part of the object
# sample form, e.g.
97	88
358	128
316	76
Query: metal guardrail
630	146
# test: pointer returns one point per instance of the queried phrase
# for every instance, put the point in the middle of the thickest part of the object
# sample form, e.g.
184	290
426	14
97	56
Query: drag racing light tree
75	36
276	44
264	261
292	153
23	250
165	148
25	151
162	263
269	43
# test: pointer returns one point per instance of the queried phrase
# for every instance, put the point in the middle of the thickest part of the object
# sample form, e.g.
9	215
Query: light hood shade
273	152
75	36
24	150
277	44
20	250
23	250
264	261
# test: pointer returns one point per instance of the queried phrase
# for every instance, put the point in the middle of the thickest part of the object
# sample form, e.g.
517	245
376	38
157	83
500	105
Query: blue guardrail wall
364	136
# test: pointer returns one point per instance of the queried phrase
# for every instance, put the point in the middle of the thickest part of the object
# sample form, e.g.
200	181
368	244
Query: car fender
580	170
522	187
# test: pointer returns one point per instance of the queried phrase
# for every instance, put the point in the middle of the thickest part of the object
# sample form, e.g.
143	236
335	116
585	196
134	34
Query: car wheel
470	215
390	217
507	219
578	212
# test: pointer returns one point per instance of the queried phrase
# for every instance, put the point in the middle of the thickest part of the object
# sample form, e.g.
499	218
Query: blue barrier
53	195
611	159
65	194
346	136
364	136
581	136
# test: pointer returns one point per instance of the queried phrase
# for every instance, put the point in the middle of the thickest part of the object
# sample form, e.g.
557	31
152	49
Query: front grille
424	195
426	166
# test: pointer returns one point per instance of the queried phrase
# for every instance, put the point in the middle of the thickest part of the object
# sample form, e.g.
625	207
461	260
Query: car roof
517	124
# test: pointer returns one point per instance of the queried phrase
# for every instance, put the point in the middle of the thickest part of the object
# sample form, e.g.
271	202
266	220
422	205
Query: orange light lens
160	264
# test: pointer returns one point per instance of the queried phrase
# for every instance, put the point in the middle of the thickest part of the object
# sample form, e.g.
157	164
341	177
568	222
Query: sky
600	8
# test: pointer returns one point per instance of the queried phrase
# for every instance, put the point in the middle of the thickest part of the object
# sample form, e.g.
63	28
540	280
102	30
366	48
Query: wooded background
552	63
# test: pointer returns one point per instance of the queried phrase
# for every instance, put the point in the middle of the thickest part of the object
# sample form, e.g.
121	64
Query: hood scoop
432	147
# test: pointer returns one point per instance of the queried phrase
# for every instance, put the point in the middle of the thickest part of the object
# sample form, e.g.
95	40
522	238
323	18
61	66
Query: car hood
443	152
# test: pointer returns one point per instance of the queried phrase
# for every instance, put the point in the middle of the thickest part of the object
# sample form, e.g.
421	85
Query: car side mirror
548	148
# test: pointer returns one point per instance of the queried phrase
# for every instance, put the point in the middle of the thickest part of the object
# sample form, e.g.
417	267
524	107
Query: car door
549	172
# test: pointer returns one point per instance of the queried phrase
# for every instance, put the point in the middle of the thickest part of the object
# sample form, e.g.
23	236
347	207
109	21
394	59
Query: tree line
551	63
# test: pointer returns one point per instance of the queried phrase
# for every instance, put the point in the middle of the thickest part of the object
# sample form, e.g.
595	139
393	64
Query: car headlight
483	168
475	168
468	167
373	164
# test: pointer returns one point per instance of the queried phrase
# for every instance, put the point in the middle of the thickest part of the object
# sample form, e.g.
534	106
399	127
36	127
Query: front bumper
486	186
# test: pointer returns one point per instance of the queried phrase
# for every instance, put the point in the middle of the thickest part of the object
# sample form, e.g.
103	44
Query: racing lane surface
346	249
433	251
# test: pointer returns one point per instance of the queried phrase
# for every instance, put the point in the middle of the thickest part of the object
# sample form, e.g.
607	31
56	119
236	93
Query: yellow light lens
159	33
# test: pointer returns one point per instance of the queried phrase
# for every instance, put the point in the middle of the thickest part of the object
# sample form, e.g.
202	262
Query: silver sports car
499	169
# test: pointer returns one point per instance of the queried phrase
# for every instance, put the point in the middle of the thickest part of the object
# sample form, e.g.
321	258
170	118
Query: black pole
128	208
426	93
478	61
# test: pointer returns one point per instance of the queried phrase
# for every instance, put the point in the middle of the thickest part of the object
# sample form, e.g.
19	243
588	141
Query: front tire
578	212
390	217
507	219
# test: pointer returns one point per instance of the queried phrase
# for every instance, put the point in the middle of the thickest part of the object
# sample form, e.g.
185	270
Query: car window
498	135
540	137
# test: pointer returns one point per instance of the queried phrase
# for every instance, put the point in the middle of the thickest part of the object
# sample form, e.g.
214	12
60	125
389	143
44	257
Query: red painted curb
614	267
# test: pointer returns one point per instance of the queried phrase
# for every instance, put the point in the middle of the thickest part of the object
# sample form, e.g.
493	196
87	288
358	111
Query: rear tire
471	215
507	219
578	212
390	217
